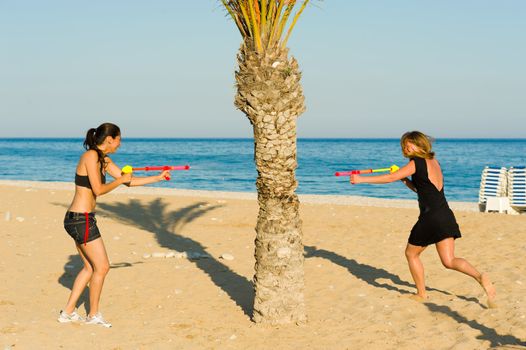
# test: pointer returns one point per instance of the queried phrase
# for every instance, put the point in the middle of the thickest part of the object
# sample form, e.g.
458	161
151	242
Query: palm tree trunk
270	94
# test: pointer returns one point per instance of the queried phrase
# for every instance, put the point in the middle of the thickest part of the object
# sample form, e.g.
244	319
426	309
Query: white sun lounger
517	189
494	185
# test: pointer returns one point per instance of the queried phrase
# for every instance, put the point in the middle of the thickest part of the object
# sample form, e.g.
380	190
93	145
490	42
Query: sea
228	164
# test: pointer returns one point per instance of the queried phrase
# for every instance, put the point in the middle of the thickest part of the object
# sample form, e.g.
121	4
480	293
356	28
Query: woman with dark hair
80	222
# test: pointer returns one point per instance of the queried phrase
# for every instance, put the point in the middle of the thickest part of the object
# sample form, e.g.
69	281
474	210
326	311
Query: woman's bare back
434	173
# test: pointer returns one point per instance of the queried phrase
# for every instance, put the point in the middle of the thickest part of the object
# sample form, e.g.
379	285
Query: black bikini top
83	180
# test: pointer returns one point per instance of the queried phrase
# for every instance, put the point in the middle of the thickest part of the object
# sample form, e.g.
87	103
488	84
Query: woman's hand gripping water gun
355	174
165	169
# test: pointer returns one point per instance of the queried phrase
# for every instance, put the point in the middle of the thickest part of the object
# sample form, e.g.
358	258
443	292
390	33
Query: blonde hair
422	143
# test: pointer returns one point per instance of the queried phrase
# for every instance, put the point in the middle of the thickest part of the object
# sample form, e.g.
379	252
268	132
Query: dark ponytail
95	137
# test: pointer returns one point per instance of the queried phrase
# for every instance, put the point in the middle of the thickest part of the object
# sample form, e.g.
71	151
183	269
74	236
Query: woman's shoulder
417	161
90	155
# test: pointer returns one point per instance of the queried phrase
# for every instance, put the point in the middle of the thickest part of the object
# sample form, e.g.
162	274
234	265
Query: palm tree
270	94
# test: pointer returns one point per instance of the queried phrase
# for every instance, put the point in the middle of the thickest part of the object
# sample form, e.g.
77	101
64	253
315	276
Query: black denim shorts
75	225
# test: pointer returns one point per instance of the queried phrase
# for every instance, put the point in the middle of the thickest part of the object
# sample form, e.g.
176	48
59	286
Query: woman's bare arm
115	172
407	170
91	162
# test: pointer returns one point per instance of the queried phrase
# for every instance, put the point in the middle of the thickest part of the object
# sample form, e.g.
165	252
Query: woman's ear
108	140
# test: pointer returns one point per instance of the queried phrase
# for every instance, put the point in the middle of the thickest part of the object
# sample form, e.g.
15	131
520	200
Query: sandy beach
357	280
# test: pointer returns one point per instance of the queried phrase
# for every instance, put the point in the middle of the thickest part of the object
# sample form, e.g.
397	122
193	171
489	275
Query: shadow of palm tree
366	273
496	340
371	274
154	217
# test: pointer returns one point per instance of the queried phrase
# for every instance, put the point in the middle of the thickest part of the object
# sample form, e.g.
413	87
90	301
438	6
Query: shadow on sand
71	270
496	340
366	273
371	274
155	218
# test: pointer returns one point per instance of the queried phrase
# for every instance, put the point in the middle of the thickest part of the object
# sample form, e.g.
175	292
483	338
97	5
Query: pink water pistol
129	169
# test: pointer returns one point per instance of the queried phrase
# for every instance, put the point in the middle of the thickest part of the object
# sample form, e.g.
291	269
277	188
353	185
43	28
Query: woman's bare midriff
83	201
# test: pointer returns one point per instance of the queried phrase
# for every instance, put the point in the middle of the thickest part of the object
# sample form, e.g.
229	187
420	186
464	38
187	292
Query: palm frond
295	20
264	22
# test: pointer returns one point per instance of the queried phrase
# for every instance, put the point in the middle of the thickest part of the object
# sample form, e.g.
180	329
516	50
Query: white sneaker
64	317
98	319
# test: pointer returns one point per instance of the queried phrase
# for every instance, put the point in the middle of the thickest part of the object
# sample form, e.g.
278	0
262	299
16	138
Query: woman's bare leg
95	252
446	251
412	253
80	283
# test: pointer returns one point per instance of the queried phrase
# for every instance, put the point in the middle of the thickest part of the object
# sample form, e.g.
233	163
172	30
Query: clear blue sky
451	68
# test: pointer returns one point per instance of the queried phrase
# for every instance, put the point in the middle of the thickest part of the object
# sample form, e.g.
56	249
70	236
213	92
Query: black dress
436	221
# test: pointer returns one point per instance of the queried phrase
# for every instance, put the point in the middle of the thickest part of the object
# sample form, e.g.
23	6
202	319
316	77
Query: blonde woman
436	223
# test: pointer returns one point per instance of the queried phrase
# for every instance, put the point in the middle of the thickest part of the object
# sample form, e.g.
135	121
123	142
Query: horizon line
251	138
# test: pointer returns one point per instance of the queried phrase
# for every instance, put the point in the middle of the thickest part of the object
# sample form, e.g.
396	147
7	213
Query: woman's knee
102	268
447	263
411	253
87	269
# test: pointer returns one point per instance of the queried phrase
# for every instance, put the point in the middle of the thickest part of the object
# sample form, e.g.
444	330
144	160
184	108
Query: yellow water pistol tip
127	169
394	168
